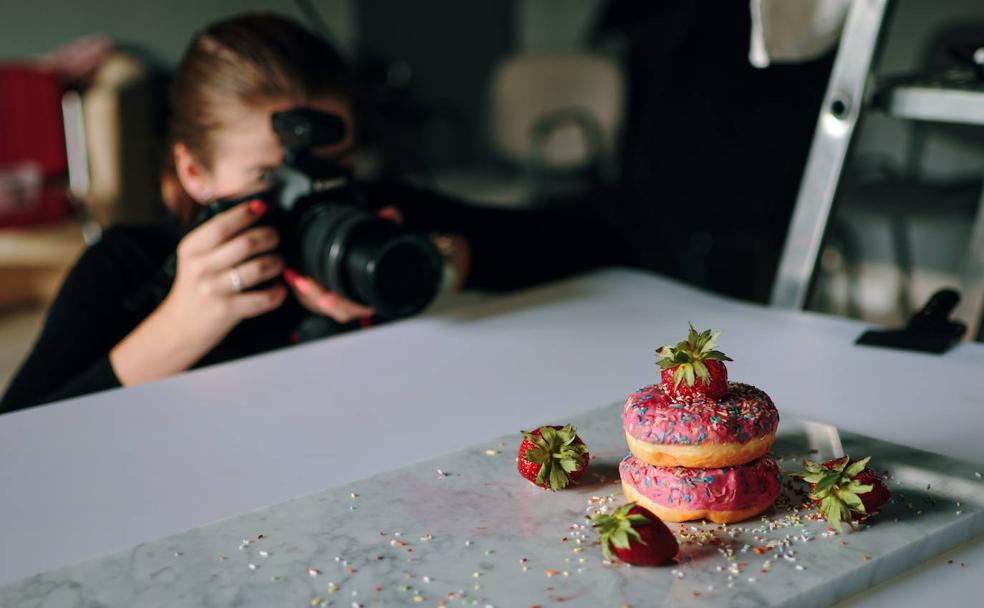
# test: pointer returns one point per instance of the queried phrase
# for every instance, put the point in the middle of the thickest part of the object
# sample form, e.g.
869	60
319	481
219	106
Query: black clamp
930	330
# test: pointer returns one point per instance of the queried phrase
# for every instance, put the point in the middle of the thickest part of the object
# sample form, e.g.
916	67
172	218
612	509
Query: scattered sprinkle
314	571
491	452
253	566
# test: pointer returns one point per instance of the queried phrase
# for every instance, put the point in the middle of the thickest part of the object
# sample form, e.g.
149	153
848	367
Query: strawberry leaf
702	372
536	455
856	467
620	539
678	376
689	375
851	500
810	477
568	465
858	488
825	484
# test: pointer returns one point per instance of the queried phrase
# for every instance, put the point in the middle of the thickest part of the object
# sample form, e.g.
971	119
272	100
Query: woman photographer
232	294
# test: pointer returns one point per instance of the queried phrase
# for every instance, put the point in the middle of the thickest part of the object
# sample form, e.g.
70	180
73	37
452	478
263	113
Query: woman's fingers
242	247
254	303
391	214
321	301
251	273
222	227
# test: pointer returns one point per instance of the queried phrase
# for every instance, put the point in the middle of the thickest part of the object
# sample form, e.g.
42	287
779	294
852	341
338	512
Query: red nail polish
257	207
296	281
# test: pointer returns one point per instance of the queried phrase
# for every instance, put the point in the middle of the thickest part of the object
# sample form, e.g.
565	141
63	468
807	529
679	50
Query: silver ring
237	281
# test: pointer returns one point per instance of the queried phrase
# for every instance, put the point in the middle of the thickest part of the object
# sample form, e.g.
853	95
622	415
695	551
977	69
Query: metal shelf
935	103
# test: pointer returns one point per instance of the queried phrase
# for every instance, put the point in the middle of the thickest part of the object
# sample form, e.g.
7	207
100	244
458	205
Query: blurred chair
95	154
554	121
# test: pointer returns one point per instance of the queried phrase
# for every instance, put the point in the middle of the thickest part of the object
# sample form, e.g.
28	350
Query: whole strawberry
635	536
845	490
552	456
693	370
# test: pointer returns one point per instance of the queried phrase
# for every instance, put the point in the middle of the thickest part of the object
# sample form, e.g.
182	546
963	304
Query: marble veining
466	530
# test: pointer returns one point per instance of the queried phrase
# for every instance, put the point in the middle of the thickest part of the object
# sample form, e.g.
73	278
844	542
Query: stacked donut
699	443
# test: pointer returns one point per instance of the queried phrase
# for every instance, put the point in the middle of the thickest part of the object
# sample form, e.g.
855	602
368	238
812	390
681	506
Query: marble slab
465	530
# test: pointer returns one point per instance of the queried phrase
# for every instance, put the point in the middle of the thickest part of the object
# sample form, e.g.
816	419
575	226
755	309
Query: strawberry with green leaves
552	457
694	369
635	536
845	490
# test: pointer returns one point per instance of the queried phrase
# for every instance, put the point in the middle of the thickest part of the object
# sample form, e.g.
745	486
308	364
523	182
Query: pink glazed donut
732	430
722	495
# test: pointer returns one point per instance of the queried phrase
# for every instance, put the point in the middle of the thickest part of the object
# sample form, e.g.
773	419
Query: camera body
329	229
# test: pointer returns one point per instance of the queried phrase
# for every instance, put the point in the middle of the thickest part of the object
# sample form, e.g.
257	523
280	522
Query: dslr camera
328	227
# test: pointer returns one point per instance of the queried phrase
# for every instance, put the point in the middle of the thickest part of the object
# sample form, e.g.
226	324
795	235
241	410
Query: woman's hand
217	263
323	302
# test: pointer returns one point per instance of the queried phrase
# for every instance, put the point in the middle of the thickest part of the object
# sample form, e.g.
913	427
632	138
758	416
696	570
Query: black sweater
96	305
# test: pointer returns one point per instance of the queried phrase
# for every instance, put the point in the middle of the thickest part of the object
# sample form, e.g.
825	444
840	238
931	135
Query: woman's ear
194	178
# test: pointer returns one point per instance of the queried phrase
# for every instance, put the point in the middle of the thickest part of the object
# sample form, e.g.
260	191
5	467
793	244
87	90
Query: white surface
101	473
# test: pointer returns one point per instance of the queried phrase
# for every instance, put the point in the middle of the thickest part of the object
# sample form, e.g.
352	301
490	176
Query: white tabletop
94	475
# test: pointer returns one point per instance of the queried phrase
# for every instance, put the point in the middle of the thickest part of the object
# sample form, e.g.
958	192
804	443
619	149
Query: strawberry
844	490
693	370
552	456
635	536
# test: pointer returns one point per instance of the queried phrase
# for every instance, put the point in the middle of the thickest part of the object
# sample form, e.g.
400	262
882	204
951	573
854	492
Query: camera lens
369	260
397	270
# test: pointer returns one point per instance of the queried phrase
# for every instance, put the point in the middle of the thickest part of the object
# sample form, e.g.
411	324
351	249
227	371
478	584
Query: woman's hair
244	60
